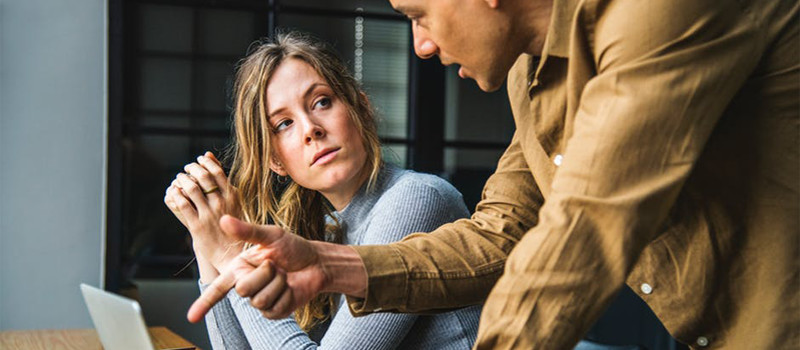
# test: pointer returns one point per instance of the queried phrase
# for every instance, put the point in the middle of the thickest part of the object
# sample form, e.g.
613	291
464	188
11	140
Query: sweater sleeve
409	206
223	327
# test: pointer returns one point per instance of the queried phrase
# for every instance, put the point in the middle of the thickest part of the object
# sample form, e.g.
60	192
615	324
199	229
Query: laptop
118	320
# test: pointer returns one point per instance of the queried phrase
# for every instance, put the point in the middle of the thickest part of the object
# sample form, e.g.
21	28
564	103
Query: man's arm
457	264
666	71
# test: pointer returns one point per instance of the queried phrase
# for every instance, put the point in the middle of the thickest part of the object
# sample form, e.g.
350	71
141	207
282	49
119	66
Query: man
656	145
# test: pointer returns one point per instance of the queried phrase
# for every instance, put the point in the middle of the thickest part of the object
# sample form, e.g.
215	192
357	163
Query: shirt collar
556	42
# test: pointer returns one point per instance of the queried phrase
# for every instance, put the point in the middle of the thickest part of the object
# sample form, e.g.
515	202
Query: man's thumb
257	234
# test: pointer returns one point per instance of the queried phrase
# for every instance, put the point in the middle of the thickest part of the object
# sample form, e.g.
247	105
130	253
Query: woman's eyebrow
311	89
308	92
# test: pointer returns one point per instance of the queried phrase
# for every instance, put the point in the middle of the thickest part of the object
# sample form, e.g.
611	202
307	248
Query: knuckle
259	303
280	311
216	171
184	205
191	187
266	271
242	289
204	176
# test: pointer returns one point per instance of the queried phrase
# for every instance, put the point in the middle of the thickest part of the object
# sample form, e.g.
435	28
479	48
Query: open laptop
118	320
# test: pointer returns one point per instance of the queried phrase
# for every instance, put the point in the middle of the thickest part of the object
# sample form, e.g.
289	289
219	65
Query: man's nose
424	47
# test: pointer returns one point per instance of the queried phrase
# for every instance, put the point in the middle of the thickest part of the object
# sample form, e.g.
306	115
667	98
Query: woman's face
314	140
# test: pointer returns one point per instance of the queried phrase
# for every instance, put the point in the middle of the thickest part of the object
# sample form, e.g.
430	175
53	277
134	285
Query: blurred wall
52	159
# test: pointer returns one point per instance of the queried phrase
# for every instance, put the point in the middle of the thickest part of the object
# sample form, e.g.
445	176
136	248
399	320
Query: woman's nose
313	132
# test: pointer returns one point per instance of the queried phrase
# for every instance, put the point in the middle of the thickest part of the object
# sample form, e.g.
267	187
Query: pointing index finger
215	292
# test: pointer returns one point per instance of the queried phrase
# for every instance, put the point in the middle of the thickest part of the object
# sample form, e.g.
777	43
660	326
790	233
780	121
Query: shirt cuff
387	280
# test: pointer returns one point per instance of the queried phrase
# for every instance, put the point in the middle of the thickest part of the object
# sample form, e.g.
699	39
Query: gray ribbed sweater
402	202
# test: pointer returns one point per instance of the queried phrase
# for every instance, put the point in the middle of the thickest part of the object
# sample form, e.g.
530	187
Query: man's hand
310	267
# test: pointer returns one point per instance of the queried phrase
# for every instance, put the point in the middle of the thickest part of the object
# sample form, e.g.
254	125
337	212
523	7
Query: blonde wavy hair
296	209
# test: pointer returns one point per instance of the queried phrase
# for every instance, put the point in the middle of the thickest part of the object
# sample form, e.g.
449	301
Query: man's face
469	33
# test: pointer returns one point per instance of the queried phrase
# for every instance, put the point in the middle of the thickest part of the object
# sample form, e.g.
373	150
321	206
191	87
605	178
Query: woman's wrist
217	255
207	271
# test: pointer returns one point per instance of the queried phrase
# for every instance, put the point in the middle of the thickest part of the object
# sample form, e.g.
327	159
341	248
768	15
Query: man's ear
493	3
276	166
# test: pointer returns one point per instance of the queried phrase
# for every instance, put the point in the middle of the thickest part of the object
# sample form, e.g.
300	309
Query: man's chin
489	86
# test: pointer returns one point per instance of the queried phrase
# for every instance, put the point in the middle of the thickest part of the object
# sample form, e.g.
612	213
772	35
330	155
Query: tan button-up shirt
656	145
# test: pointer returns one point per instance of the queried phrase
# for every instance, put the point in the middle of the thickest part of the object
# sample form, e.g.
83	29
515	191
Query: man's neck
531	21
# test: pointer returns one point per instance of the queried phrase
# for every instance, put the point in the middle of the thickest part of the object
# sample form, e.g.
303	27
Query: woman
304	126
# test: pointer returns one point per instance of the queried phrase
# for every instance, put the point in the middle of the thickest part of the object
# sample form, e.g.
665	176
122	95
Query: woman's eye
283	125
324	102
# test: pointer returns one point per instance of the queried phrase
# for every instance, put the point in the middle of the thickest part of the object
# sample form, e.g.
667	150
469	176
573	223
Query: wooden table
81	339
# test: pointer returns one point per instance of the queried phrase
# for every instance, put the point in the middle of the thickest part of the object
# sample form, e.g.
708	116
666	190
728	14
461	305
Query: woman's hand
199	198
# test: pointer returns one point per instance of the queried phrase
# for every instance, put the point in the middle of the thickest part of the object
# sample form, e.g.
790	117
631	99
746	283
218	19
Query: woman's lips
325	156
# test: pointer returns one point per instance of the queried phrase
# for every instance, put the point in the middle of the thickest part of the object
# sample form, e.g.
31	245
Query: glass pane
226	32
165	120
149	228
468	170
165	83
165	28
374	6
214	121
214	85
151	164
339	32
171	153
474	115
381	63
456	159
395	154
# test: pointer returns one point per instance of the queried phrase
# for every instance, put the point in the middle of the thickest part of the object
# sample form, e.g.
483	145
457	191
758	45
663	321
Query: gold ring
211	190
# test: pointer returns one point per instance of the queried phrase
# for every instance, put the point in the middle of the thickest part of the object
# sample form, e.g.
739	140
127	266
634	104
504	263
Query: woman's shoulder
411	193
412	184
409	202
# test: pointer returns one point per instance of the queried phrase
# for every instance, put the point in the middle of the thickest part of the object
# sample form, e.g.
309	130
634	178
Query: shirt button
558	159
702	341
646	288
